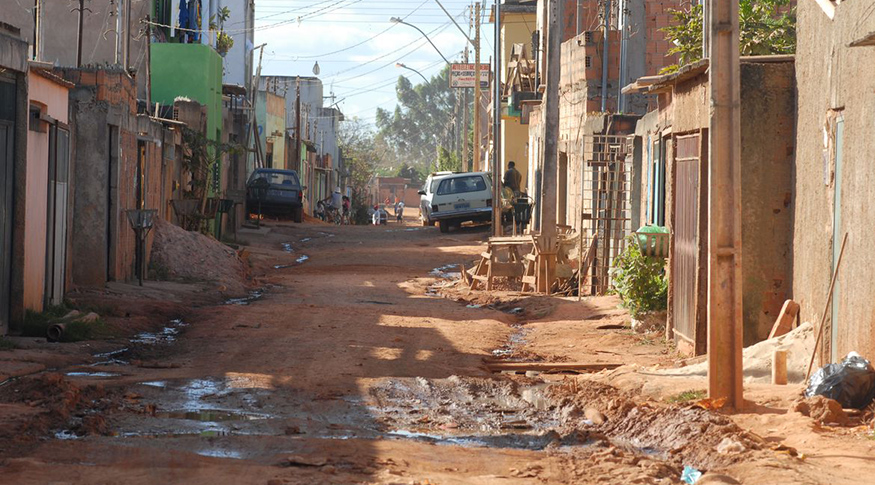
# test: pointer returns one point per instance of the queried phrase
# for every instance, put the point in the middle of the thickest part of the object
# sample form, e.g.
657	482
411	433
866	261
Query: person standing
512	178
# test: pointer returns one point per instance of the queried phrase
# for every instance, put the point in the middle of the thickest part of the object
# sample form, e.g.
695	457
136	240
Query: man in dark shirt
512	178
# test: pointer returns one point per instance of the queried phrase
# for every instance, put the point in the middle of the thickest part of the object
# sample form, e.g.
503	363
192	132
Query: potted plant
224	42
640	282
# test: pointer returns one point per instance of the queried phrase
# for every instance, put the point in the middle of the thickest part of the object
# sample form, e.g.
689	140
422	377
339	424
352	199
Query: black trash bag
850	382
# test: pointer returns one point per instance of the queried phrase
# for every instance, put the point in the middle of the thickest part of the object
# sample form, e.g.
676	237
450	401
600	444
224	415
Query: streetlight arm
412	69
399	21
456	24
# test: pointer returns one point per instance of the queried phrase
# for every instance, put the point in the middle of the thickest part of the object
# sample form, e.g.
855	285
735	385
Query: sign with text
462	75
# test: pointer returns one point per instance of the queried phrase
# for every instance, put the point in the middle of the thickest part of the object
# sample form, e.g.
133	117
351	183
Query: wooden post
496	128
725	324
779	367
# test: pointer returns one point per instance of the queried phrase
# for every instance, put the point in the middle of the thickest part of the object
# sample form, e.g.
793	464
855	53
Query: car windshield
460	185
278	178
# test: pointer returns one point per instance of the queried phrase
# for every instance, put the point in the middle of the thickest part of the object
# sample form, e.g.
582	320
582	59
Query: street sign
462	75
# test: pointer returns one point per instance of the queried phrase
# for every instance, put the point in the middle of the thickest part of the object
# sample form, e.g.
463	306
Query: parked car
284	195
451	198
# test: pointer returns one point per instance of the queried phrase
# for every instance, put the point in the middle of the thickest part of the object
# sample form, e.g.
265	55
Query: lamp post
403	66
399	21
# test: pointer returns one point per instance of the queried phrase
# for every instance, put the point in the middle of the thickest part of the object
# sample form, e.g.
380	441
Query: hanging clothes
184	19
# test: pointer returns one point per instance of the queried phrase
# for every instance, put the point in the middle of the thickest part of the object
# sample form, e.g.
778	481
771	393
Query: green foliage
200	158
448	161
37	324
639	280
361	152
416	127
687	396
411	173
6	344
766	27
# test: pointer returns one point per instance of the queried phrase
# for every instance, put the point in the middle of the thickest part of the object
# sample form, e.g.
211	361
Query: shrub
639	280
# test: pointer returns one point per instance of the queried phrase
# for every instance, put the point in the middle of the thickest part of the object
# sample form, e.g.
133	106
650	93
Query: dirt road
349	366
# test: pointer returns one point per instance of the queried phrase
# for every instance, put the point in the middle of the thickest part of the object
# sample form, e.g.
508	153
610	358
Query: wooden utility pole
547	240
725	323
477	158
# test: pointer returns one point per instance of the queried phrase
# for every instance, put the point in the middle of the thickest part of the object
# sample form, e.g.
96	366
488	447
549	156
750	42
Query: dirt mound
821	409
61	405
181	255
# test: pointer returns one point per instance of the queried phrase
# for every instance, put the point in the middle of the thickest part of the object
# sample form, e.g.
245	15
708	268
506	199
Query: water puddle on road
287	247
166	335
211	415
254	295
92	374
515	342
446	273
299	260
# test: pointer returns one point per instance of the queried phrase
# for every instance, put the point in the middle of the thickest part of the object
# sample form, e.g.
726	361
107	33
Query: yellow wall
276	122
516	28
43	92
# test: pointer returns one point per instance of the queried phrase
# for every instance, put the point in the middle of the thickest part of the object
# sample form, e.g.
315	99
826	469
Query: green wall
193	71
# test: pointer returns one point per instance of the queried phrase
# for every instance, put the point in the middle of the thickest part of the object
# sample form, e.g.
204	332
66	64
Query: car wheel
445	226
298	215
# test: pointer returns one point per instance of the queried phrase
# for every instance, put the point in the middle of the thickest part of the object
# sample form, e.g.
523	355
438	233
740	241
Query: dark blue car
285	195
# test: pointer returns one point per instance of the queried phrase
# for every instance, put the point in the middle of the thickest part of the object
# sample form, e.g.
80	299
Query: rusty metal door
686	238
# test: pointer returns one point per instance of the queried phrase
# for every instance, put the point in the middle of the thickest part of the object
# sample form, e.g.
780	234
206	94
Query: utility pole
496	125
297	122
606	41
468	168
81	10
37	29
477	158
253	92
725	323
547	241
127	33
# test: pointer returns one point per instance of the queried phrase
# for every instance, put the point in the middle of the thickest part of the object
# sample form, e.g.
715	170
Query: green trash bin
653	241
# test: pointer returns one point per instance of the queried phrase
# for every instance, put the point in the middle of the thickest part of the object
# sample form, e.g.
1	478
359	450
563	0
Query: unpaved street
354	363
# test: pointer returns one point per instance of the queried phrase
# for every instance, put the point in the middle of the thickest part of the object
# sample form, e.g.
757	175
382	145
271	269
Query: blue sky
357	46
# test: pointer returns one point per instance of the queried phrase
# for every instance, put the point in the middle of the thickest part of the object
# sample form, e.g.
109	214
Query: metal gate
8	100
684	275
605	205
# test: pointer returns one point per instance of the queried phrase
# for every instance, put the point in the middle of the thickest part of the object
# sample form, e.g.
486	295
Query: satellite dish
316	68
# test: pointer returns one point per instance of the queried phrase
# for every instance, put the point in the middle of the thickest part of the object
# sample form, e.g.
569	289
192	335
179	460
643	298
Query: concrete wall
516	29
51	97
768	127
104	174
237	62
833	76
103	33
275	128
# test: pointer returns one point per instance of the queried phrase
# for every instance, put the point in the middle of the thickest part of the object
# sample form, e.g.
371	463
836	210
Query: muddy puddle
254	295
515	343
92	374
287	247
166	335
447	272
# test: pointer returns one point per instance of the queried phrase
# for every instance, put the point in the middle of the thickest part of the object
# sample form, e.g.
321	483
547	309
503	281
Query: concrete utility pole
547	241
465	151
80	33
605	56
297	123
477	158
725	324
496	126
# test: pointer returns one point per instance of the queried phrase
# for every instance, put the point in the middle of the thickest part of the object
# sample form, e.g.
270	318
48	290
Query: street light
396	20
401	65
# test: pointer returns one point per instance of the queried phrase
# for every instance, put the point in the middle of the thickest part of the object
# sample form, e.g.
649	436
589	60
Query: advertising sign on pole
462	75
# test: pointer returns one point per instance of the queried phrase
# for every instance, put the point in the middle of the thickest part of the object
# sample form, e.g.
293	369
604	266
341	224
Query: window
278	178
461	185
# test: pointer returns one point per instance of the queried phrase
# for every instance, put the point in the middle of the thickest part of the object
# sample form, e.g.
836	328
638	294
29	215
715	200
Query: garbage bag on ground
850	382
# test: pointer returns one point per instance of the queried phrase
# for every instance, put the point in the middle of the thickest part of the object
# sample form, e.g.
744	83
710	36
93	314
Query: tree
418	124
408	172
360	156
766	27
448	161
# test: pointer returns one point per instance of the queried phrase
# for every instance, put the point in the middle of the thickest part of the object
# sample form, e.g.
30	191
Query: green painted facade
193	71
